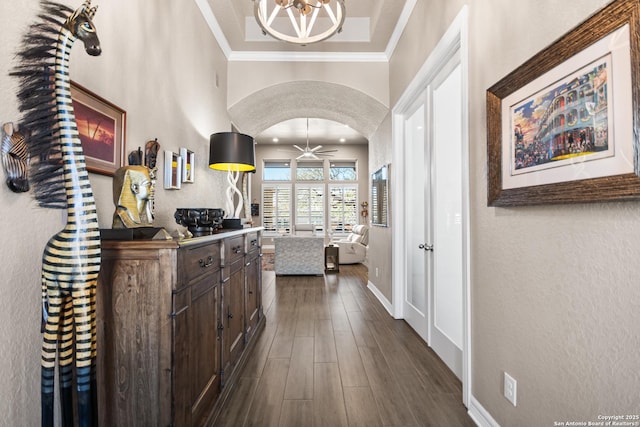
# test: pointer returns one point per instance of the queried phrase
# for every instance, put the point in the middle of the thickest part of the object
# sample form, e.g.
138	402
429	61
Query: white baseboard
479	415
383	300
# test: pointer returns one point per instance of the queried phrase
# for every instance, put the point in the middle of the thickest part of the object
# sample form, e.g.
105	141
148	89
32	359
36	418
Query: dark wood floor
330	355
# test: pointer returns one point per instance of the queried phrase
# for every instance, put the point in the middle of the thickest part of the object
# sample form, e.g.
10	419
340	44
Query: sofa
308	230
299	255
353	248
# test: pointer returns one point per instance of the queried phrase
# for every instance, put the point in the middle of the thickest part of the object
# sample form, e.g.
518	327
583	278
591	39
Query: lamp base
232	223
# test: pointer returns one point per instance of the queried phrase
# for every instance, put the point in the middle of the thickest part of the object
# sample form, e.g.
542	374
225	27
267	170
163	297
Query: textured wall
246	78
148	67
555	289
380	238
555	292
278	103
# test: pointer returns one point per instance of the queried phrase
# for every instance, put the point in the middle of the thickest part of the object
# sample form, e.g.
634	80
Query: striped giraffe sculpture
71	259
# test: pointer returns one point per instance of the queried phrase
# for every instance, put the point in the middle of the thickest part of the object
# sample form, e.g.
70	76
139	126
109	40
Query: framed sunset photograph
101	125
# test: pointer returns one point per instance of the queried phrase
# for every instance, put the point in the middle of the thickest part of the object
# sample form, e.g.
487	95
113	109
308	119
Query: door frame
453	42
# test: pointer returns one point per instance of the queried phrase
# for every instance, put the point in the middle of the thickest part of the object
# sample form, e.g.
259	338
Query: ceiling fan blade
316	148
301	149
326	151
308	155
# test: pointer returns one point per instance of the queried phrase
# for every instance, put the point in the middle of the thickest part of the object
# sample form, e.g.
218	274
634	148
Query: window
343	207
310	171
310	205
320	193
276	208
277	170
343	171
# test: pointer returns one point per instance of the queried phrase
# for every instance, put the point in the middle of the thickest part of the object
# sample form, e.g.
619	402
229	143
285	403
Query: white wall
555	292
380	238
159	63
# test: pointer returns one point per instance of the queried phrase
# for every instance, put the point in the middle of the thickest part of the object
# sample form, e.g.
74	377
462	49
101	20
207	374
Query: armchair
353	248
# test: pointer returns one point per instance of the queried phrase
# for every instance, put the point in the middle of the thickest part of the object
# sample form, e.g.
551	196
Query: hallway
330	355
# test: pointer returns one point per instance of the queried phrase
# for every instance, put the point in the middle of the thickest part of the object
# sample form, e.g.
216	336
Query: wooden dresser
175	322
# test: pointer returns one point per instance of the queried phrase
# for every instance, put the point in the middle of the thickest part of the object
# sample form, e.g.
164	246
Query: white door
431	271
446	232
433	294
416	304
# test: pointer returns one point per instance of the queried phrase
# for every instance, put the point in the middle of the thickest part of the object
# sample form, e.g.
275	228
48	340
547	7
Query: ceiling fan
311	153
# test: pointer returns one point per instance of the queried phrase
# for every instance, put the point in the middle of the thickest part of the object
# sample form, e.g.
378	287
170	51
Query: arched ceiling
308	99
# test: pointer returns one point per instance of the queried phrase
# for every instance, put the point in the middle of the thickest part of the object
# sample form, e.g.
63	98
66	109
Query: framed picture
172	170
188	165
380	197
101	125
564	126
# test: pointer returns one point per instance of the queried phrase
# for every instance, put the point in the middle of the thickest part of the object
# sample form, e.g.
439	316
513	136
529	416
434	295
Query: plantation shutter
310	204
343	207
276	208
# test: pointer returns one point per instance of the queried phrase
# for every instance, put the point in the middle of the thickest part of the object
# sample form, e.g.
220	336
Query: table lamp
232	152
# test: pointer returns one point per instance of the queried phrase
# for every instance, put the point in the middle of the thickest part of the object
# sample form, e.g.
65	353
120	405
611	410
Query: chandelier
310	21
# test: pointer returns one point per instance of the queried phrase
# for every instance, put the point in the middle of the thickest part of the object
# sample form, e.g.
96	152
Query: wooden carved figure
71	259
15	158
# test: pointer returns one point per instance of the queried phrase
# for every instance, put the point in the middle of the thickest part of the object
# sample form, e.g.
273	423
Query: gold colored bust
133	190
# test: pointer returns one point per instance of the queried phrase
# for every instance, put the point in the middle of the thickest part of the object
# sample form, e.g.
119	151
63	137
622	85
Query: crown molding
400	26
212	22
275	56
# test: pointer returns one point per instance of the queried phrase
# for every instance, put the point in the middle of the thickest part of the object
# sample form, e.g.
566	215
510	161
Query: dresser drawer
233	249
197	261
253	243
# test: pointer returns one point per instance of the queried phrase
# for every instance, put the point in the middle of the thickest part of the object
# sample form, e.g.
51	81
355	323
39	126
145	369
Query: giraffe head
80	23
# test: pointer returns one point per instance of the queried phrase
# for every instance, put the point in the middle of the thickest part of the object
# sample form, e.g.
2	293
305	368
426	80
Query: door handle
426	247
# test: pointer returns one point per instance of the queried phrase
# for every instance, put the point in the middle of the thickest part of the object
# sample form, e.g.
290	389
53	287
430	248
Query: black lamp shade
232	151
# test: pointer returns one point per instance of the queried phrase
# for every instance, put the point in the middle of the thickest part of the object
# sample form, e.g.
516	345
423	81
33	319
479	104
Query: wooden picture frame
188	165
380	197
102	129
172	170
543	121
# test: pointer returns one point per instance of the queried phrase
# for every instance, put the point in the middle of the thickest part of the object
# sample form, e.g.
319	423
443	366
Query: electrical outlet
510	388
376	271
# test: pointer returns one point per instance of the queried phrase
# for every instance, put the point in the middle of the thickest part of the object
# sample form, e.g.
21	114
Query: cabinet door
204	348
181	348
233	315
252	275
